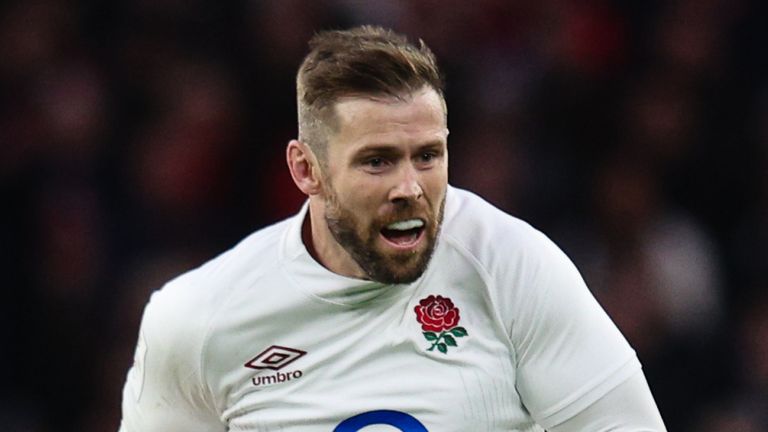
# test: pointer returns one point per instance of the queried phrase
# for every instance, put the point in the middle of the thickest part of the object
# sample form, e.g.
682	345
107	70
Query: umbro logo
275	358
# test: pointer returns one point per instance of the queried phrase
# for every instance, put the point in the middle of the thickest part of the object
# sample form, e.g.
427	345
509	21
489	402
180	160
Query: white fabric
628	408
539	348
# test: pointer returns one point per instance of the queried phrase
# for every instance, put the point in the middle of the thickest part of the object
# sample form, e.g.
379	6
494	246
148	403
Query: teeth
406	225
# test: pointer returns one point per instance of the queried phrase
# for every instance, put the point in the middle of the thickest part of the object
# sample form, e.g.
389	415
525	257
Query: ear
304	167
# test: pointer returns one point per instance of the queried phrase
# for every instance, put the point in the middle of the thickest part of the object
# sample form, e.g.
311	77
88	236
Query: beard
360	242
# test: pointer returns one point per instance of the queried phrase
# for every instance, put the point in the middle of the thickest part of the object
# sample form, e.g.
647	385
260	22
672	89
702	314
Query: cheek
359	203
354	193
365	198
437	182
363	203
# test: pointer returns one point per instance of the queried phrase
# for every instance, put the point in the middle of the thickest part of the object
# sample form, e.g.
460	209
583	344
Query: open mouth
404	234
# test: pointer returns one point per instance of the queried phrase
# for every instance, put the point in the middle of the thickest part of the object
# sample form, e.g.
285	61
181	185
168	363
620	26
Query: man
391	301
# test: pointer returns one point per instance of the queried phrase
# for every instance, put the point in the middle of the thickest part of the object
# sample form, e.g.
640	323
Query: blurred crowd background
140	138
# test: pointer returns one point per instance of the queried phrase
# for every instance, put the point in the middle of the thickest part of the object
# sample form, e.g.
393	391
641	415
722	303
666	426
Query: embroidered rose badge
439	319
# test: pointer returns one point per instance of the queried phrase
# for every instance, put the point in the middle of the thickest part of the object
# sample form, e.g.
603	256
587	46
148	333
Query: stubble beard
360	242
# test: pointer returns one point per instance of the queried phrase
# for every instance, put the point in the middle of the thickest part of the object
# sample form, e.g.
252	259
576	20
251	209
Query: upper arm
627	408
165	390
568	351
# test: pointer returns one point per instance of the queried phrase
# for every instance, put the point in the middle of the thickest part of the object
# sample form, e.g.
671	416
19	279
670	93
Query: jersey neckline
315	280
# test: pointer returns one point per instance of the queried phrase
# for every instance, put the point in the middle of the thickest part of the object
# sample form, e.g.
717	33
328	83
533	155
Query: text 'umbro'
276	378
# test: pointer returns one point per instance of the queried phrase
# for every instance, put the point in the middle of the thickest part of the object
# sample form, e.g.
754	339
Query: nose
408	187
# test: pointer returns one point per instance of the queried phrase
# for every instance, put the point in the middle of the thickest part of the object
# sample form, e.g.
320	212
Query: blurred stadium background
140	138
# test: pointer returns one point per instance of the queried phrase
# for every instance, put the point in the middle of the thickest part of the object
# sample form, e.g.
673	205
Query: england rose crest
439	319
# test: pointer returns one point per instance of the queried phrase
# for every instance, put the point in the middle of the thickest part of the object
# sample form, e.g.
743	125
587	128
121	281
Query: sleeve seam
489	283
208	328
588	393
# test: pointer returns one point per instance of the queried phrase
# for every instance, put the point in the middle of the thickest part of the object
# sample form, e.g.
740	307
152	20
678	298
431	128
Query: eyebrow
378	149
390	150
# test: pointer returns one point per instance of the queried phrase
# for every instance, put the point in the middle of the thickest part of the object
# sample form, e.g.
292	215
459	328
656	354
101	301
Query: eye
427	158
375	162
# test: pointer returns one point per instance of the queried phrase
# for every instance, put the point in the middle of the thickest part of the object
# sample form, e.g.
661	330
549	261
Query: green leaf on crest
430	336
443	349
459	331
449	340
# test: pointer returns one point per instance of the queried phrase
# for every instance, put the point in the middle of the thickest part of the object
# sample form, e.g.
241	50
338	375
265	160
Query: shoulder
497	240
185	306
522	268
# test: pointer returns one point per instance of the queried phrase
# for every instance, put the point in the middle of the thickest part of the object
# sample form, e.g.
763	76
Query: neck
323	247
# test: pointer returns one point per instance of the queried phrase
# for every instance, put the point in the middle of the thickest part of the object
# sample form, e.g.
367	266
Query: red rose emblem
437	313
439	319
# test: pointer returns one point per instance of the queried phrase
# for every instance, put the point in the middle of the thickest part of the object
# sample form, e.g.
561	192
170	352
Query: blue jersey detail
404	422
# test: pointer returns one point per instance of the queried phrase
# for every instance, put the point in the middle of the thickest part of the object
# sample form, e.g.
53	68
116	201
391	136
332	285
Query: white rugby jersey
499	334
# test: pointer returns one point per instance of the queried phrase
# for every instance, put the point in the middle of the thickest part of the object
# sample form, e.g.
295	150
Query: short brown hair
366	60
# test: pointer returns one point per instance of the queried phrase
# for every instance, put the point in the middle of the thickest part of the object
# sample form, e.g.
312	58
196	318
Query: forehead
388	120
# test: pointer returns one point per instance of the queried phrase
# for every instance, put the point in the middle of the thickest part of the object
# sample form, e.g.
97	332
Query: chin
400	268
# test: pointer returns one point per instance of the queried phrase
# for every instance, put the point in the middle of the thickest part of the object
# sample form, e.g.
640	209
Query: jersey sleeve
165	390
569	353
627	408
